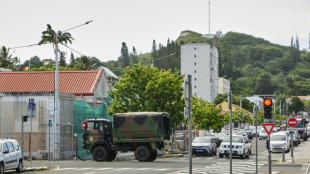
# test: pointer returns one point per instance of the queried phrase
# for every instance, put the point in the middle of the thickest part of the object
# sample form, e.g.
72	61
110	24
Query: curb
172	155
36	169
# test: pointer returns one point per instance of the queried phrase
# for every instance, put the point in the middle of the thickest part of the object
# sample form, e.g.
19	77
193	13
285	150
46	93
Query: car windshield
278	138
202	140
235	139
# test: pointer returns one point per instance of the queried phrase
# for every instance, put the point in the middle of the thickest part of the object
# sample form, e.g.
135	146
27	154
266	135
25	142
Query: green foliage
206	116
148	89
296	106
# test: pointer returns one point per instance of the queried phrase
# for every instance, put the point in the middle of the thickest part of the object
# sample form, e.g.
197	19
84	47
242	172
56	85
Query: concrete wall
13	106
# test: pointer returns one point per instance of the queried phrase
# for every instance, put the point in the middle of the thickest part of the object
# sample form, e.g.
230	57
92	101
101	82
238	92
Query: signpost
268	128
49	139
84	124
292	122
31	113
188	103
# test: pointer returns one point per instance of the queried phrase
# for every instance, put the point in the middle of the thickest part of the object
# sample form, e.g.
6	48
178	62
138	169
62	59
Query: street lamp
152	64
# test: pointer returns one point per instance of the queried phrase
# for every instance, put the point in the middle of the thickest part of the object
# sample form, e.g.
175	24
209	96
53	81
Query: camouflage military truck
141	132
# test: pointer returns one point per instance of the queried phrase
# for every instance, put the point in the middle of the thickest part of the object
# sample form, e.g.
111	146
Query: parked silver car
10	156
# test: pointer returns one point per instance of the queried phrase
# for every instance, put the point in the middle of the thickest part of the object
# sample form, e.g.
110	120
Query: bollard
283	155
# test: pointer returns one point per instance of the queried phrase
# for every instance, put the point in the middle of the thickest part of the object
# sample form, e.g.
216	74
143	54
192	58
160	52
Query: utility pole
209	18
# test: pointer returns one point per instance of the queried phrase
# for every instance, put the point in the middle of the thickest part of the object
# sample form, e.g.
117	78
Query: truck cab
97	133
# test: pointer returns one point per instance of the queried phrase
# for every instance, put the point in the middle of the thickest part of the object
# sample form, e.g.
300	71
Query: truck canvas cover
140	127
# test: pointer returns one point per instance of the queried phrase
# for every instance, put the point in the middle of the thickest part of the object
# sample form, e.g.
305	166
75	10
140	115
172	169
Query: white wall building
201	61
224	86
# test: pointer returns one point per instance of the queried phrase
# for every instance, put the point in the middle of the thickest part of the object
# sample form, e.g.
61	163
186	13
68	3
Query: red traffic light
267	102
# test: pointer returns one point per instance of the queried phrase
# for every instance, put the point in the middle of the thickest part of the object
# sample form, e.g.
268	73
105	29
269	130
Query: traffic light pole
269	155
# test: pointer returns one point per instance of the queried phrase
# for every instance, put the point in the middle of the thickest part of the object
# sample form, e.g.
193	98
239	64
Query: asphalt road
175	165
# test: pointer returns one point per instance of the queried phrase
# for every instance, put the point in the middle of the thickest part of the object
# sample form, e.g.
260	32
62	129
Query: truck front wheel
112	156
143	153
153	155
100	153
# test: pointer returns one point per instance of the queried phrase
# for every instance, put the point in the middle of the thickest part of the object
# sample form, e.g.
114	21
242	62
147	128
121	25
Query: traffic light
267	108
25	118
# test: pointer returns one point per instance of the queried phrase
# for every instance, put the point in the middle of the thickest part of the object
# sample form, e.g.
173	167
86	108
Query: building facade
201	61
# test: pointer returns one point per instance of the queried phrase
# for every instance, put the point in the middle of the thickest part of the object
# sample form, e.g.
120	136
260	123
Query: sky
138	22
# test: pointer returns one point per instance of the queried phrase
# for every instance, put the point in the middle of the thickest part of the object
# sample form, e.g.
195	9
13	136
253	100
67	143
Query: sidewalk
301	156
39	165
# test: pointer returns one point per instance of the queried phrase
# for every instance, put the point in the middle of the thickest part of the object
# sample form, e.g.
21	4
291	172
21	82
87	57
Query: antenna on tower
209	18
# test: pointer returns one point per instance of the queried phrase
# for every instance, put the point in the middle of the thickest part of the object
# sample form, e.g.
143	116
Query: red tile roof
73	82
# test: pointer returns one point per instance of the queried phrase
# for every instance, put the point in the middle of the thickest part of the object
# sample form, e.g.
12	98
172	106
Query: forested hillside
256	66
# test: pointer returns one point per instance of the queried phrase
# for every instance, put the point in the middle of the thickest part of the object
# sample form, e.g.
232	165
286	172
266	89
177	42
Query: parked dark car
204	146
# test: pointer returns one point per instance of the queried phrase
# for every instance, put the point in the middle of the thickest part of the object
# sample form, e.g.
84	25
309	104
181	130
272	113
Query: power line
78	26
72	49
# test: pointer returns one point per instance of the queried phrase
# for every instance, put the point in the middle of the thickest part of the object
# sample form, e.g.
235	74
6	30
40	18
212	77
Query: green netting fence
81	112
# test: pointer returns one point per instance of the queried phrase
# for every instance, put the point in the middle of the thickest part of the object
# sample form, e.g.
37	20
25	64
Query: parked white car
263	134
10	156
279	141
240	146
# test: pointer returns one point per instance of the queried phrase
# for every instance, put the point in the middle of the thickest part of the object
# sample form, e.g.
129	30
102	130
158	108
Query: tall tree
134	56
83	63
62	59
124	55
72	60
35	61
148	89
154	51
296	106
5	57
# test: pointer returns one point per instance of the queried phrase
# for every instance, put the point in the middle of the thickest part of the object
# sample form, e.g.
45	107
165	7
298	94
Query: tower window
195	86
195	56
195	79
194	48
195	63
195	71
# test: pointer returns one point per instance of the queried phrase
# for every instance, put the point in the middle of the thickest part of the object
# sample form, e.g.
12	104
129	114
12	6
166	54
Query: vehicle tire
242	156
19	168
215	152
153	155
100	153
143	153
112	156
248	155
1	168
220	155
250	152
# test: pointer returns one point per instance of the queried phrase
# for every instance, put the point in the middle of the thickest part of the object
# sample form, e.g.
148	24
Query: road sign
268	127
292	122
50	123
83	125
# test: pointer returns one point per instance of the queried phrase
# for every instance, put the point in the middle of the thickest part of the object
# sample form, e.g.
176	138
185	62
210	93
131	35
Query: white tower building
201	61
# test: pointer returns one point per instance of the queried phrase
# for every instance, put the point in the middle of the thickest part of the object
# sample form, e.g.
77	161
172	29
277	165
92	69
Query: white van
10	156
279	141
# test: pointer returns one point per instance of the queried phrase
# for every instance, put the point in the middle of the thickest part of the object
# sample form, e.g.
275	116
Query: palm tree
50	36
5	57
